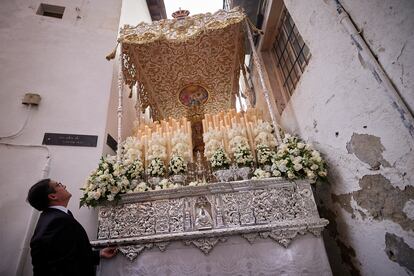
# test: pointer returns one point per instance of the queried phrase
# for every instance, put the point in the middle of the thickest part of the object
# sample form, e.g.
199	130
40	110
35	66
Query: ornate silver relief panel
204	215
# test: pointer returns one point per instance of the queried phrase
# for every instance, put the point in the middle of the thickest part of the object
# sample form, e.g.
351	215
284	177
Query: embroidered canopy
185	66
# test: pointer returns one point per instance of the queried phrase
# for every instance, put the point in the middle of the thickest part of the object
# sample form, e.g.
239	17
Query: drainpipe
398	103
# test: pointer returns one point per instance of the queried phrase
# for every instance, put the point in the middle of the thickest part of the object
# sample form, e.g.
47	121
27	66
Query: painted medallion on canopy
193	95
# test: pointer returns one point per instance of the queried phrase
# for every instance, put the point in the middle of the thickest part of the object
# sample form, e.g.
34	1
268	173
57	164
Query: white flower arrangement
157	148
260	174
243	155
197	183
157	151
220	160
156	167
267	139
212	134
238	141
236	131
177	165
180	146
239	146
262	127
139	188
106	182
264	154
211	146
131	150
166	184
213	140
295	159
263	135
134	170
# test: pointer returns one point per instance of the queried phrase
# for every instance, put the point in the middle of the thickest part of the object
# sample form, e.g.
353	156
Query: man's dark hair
38	194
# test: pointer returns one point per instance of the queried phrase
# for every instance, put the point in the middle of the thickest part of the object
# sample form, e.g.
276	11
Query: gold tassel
112	54
254	29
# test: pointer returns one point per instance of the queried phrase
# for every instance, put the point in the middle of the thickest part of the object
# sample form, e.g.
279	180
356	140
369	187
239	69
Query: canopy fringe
253	27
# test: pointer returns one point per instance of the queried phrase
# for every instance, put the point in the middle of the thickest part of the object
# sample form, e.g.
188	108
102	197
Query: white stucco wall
337	97
63	61
132	13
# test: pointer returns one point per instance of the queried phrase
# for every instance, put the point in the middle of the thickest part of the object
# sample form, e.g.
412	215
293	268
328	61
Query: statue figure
202	214
203	219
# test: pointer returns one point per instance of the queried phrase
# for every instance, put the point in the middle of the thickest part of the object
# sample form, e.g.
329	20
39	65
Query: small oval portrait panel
193	95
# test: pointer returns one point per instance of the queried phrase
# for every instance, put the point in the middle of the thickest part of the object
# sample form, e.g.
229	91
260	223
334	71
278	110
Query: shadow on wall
342	257
382	201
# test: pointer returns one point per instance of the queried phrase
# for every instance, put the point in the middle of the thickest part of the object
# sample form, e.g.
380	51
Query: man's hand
108	252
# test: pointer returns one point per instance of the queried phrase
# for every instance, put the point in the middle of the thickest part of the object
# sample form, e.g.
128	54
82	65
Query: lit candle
145	146
233	122
190	142
188	129
226	140
210	126
183	128
227	121
174	124
204	125
169	148
254	119
148	152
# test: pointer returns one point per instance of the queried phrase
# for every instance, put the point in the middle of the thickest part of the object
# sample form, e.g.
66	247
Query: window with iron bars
292	54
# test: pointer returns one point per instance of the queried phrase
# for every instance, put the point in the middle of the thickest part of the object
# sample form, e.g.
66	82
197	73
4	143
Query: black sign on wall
110	141
75	140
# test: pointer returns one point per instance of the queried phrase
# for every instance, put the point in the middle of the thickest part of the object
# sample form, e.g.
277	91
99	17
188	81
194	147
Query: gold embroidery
167	55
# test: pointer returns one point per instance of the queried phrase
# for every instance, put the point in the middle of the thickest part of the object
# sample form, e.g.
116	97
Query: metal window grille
292	54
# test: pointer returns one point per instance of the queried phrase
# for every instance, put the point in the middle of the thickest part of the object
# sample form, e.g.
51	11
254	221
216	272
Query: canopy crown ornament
180	13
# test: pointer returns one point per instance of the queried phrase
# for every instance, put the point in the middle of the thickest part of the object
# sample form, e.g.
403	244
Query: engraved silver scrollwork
132	251
203	215
104	223
251	237
219	214
205	244
162	216
187	216
176	216
224	175
242	173
162	246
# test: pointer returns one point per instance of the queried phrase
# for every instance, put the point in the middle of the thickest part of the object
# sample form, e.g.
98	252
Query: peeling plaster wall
340	108
393	19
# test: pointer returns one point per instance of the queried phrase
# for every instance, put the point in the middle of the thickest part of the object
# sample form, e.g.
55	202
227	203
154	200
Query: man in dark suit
60	245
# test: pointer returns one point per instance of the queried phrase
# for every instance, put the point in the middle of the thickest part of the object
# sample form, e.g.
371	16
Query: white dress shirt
61	208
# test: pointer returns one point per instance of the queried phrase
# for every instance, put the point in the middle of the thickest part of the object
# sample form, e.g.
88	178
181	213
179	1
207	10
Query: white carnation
297	167
314	167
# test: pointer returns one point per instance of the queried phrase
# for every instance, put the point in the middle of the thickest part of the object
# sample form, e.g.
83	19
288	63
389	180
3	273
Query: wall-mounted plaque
76	140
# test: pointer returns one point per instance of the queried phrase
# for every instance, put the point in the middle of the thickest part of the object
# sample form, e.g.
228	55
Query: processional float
187	71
